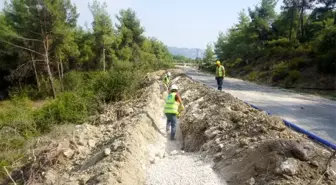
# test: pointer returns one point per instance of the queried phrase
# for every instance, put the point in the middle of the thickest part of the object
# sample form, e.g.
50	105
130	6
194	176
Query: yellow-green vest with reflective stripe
166	79
219	71
171	105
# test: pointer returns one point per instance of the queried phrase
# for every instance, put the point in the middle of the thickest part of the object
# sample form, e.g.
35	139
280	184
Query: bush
16	127
327	62
18	116
209	67
68	107
280	71
294	75
116	85
73	81
282	42
247	69
253	76
27	91
297	63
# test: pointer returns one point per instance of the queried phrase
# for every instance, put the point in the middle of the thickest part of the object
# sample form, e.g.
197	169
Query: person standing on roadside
220	74
172	109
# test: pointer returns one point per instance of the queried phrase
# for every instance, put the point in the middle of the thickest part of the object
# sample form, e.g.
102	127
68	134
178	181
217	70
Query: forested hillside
53	71
295	48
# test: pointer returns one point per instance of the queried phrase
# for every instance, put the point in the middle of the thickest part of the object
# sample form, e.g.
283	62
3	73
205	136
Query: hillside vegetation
46	56
295	48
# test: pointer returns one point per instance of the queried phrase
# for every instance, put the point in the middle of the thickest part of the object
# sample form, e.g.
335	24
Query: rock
160	154
50	177
107	151
288	167
211	133
174	152
331	174
217	140
251	181
117	145
314	163
68	153
243	142
81	140
221	145
91	143
152	160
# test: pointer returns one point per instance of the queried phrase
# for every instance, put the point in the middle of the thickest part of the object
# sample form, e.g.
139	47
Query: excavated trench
220	140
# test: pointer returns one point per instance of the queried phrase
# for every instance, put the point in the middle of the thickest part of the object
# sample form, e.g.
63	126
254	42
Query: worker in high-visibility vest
220	74
172	109
166	80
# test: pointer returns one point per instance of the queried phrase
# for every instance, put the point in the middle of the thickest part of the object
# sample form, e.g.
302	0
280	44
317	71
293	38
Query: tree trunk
62	69
60	73
36	75
103	60
301	18
46	56
291	23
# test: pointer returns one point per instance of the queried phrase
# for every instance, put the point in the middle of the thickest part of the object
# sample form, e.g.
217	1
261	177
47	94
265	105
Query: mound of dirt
110	149
248	146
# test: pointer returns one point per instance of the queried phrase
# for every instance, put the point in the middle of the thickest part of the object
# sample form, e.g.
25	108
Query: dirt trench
246	145
127	142
111	148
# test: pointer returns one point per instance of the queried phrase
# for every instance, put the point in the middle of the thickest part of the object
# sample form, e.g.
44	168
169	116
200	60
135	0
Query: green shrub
297	63
247	69
253	76
18	116
16	128
294	75
327	62
27	91
73	81
68	107
117	85
282	42
280	71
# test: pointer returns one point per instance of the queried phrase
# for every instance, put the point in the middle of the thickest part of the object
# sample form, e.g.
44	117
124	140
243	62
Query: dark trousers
219	82
171	122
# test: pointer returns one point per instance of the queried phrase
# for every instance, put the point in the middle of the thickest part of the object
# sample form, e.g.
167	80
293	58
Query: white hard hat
168	73
173	87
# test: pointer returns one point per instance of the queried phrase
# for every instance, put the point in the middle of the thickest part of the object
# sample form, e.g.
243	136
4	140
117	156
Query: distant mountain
187	52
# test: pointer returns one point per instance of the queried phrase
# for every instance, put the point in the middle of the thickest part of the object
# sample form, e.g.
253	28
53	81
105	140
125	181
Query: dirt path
178	167
313	113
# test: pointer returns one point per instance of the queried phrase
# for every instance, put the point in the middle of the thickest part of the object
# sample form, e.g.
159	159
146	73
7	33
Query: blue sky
180	23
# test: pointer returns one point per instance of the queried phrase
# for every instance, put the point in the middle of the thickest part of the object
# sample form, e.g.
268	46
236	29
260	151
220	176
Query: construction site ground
220	140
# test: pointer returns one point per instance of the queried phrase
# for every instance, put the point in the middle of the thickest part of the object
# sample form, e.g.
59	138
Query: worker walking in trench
172	109
220	74
166	80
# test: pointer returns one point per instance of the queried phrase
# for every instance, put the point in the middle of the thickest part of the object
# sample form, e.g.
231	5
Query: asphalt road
312	113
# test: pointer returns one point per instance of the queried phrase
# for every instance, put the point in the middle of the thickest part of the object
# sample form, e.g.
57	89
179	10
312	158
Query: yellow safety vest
219	71
166	80
171	105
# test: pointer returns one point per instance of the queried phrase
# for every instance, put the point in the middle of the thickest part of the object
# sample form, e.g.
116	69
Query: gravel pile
182	169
